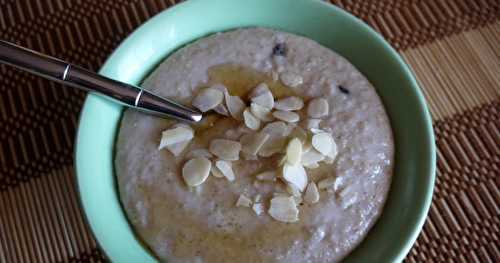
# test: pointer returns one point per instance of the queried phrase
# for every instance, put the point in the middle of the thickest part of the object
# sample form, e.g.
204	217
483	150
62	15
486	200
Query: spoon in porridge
74	76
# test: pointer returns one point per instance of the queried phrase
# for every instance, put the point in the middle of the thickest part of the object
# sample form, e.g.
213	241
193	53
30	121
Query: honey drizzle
239	81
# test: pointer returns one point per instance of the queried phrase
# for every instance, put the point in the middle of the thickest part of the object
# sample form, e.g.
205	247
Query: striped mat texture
453	47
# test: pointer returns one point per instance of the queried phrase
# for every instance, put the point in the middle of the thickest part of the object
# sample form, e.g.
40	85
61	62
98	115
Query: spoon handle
75	76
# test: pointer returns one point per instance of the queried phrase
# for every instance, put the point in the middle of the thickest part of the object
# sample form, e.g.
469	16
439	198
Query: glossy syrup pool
239	81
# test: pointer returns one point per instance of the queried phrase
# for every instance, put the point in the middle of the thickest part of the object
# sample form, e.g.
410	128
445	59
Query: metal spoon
74	76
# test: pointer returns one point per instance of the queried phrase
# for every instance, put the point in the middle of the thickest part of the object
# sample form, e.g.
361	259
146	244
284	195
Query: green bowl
411	191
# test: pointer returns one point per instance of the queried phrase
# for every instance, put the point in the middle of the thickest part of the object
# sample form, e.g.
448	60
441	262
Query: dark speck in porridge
343	90
280	49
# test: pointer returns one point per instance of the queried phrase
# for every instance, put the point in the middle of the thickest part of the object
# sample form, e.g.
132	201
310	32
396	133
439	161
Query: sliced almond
216	172
177	148
250	120
323	143
277	128
311	195
196	171
311	157
199	153
207	99
225	149
262	113
293	190
284	209
221	88
175	135
289	104
317	108
235	106
294	151
259	90
243	201
291	79
221	109
265	100
272	146
296	175
258	208
226	169
263	96
253	142
266	176
327	183
287	116
333	152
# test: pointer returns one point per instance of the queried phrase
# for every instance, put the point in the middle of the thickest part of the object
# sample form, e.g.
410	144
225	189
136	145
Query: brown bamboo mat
452	45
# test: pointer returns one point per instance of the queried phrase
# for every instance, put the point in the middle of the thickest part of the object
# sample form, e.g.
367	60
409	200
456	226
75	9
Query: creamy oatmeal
292	162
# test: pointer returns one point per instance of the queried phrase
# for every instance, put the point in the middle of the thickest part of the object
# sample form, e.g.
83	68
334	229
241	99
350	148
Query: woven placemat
452	45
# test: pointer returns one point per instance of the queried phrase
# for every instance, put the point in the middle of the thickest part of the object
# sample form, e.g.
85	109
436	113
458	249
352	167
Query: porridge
291	163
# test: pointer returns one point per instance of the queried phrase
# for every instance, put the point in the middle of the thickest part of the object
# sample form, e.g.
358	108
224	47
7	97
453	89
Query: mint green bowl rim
124	246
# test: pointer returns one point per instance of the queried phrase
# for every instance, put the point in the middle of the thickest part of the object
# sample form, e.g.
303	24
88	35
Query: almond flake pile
272	130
